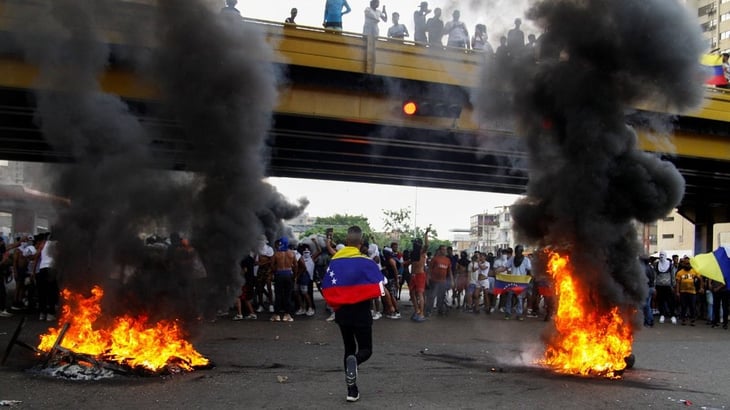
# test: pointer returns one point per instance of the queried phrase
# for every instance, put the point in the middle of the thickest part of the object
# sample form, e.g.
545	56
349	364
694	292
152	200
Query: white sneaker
259	309
331	318
5	313
271	308
300	312
661	319
310	312
251	317
238	317
42	317
50	318
674	320
377	315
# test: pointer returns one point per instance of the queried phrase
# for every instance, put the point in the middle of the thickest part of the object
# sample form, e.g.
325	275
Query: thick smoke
588	179
218	84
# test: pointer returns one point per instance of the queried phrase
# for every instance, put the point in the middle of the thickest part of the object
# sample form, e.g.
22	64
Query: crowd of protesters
679	295
27	263
281	280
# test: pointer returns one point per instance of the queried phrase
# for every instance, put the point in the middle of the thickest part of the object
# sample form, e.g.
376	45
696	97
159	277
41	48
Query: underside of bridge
332	149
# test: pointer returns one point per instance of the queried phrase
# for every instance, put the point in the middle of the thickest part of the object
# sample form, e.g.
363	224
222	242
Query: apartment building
714	19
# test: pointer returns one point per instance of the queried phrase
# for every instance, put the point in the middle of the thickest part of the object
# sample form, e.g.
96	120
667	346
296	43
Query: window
725	35
668	236
668	219
705	10
725	17
709	26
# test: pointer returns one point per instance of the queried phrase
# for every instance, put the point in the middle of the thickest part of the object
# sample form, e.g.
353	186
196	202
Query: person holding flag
515	283
351	281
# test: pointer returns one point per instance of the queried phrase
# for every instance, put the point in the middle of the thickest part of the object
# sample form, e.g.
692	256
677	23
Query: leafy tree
397	221
339	224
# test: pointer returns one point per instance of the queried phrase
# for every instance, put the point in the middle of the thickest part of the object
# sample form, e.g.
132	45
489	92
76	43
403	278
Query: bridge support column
704	223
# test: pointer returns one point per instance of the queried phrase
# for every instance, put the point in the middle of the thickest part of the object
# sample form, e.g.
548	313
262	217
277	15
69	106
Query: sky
442	208
498	15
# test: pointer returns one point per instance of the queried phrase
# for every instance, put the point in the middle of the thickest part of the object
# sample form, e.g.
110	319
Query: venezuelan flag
351	278
713	66
715	265
511	283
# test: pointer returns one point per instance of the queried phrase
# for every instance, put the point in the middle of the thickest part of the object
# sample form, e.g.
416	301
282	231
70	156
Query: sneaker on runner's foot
352	393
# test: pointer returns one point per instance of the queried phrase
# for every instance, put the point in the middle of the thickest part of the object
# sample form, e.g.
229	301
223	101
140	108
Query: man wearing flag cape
351	281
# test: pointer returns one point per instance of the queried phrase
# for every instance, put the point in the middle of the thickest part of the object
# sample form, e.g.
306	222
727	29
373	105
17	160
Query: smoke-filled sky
498	15
588	179
115	184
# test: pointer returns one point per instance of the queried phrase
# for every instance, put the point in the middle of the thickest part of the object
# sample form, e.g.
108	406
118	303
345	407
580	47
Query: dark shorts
333	24
246	292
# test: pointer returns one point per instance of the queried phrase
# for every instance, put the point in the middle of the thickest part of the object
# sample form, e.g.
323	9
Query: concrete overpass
339	118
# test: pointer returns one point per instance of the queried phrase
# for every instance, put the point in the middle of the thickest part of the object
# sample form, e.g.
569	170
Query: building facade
491	231
714	19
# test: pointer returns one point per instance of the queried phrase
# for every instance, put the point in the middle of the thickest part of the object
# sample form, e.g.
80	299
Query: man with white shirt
458	35
518	265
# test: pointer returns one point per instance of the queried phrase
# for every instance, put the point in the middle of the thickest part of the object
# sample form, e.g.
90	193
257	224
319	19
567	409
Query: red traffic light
431	108
410	108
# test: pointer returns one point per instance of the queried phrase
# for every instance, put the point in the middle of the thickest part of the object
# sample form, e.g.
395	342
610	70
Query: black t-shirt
357	314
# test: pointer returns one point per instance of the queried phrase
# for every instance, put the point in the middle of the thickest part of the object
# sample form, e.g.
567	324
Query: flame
588	342
130	341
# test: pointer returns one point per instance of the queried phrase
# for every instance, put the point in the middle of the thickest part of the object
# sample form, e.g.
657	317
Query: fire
130	341
588	342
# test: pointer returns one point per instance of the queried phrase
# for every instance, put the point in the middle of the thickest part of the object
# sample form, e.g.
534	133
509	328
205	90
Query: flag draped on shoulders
511	283
351	278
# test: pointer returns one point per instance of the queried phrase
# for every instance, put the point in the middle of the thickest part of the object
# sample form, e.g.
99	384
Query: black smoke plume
217	82
588	179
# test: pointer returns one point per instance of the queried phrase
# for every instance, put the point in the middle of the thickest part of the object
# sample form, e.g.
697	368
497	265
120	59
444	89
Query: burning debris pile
588	179
133	344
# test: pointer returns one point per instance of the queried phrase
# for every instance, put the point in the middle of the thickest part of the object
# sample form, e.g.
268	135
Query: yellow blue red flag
351	278
713	67
511	283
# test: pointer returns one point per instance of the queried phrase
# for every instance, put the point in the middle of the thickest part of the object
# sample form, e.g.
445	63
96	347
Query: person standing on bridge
333	12
230	9
435	29
419	22
398	30
457	32
372	18
292	16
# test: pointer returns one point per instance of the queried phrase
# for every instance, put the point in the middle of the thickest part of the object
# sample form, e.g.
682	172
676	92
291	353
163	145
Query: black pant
665	300
723	297
688	301
358	342
283	286
47	291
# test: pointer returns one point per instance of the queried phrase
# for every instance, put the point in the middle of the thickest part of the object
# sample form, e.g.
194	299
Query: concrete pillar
704	223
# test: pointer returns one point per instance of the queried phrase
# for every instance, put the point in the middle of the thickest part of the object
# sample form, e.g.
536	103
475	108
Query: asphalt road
462	361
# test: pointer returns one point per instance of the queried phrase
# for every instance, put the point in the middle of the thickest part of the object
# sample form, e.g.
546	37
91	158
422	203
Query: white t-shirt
524	267
46	258
474	273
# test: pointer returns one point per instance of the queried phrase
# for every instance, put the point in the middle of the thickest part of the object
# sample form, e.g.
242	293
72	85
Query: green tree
339	224
397	221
